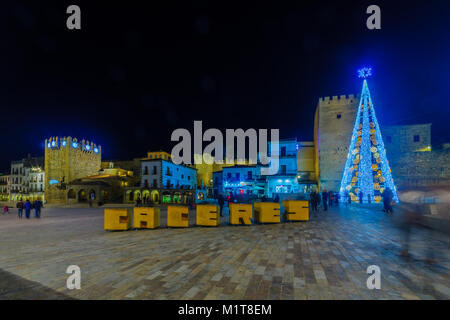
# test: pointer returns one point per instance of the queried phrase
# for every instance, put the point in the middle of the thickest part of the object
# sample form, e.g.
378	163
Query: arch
105	195
166	197
155	196
129	195
145	192
82	195
137	194
71	194
177	197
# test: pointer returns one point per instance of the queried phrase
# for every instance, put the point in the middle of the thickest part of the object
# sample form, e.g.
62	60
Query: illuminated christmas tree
367	170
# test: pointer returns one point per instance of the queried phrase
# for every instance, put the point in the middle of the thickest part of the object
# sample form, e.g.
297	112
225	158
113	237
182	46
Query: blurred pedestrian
276	198
387	200
27	207
19	206
221	202
330	198
325	199
5	209
37	205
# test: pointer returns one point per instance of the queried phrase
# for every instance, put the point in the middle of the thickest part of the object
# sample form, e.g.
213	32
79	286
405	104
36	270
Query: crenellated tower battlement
339	100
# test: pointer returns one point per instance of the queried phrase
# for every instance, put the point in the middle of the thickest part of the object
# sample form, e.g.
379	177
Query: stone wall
401	138
420	169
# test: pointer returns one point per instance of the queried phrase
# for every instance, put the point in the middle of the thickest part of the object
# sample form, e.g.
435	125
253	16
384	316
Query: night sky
134	73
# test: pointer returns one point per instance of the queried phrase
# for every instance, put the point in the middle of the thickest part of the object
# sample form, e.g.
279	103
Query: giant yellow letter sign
267	212
146	217
207	215
178	216
296	210
117	218
241	213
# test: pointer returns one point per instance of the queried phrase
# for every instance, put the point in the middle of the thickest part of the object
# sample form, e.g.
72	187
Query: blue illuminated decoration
53	181
367	168
88	147
63	143
75	144
364	73
96	150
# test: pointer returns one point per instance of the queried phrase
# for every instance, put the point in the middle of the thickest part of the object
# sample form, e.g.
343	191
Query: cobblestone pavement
325	258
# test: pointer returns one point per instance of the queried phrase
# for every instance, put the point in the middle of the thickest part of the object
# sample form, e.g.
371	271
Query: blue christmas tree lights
367	172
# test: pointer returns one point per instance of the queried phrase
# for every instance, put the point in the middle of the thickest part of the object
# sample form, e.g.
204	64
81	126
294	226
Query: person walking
5	209
360	197
138	201
19	206
317	196
221	202
387	200
325	199
330	198
27	207
37	205
313	201
276	198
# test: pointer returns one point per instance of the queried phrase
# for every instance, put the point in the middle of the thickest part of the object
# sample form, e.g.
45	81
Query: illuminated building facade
4	186
66	160
27	179
163	181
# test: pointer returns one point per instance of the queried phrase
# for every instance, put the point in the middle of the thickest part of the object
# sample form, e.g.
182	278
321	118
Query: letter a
74	21
374	21
74	280
374	281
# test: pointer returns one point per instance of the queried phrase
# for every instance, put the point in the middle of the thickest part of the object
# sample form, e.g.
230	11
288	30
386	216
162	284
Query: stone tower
67	159
333	125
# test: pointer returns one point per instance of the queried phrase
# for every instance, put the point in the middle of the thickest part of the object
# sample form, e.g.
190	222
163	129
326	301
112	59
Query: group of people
27	206
326	198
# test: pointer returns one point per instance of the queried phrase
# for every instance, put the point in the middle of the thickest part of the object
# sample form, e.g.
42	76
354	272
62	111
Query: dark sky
134	73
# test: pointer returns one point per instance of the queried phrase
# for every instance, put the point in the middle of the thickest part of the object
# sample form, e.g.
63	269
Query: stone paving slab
325	258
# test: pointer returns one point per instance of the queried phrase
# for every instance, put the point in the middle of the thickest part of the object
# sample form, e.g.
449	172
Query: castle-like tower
67	159
333	125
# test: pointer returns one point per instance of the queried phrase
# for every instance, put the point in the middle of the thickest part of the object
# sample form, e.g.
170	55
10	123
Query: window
155	184
338	116
388	139
416	138
182	176
154	170
238	175
229	175
283	151
146	183
189	177
250	174
283	169
146	170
